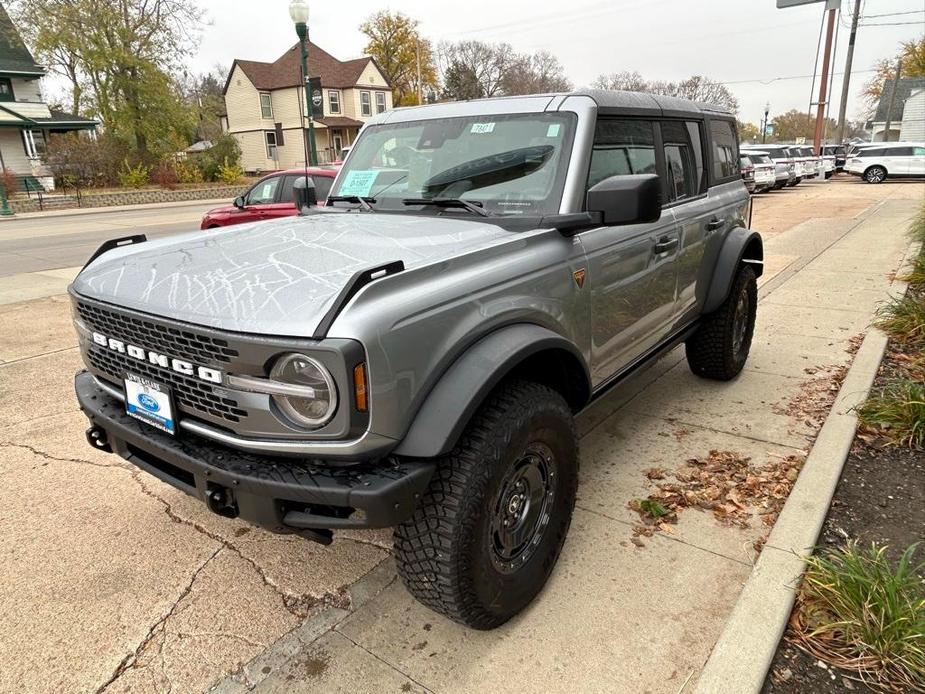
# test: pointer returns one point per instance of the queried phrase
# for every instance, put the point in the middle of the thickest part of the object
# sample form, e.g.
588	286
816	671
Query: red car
270	197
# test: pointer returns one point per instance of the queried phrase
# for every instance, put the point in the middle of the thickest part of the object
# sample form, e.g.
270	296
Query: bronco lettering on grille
164	361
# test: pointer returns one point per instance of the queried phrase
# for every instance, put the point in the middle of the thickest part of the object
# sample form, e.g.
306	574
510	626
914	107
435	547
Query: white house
907	117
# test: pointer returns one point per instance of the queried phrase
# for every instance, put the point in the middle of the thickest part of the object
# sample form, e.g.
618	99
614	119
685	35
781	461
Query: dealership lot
117	582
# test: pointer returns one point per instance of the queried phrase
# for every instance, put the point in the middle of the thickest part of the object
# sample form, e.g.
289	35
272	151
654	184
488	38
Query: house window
271	144
334	102
34	143
366	108
266	106
380	102
6	90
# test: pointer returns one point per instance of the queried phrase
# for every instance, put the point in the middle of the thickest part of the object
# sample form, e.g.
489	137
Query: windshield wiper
356	199
474	207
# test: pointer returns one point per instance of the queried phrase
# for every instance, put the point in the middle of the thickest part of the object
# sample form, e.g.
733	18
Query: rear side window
899	152
918	151
622	148
681	167
871	152
725	150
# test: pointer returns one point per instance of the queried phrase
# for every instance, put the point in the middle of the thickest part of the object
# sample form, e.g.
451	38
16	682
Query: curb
742	655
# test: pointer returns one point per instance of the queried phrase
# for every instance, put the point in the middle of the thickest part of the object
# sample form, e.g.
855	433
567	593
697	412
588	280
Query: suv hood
271	278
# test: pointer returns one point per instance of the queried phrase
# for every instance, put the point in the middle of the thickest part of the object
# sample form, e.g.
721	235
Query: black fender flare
464	386
741	245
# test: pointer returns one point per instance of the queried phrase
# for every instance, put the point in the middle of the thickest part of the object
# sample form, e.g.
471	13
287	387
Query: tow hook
221	501
96	437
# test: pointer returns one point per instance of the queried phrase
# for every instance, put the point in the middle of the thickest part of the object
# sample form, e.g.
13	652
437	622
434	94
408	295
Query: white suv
889	160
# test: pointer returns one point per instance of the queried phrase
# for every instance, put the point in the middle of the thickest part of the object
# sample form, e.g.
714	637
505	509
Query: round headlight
311	410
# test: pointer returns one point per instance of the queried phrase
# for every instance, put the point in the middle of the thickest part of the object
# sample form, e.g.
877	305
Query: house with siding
26	121
906	111
265	106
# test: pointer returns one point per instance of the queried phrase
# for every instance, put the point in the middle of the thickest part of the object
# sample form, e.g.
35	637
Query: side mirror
627	199
303	193
239	202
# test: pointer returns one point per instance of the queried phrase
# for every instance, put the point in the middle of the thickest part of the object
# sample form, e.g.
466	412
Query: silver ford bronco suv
413	354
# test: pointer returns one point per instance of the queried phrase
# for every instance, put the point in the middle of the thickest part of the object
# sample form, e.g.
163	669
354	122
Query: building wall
913	125
242	100
13	151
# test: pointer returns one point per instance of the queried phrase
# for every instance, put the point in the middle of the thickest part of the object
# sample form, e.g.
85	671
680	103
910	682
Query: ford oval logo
148	402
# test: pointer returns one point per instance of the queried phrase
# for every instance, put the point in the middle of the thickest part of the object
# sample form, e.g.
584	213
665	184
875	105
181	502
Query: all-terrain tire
875	174
720	346
450	553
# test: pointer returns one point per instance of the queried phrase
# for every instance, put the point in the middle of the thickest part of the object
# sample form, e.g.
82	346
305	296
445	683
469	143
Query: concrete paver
30	328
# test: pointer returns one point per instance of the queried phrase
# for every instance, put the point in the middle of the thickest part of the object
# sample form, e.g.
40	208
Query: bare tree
539	73
695	88
489	63
630	81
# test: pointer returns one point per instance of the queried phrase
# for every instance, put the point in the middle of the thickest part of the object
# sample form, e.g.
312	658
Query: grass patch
859	611
916	275
897	412
917	230
903	319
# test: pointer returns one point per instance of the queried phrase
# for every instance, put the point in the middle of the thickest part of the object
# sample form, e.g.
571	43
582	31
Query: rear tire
488	531
719	348
875	174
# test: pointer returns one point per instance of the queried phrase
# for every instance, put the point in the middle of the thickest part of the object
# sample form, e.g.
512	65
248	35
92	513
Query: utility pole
889	108
764	123
824	83
417	56
846	81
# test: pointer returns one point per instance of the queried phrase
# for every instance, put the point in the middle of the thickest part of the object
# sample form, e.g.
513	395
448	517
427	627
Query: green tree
394	41
119	57
460	83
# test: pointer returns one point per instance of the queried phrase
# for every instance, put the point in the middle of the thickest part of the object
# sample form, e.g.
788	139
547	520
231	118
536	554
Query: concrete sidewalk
616	617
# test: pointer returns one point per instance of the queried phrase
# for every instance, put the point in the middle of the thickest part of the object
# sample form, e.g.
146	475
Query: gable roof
906	86
14	56
286	70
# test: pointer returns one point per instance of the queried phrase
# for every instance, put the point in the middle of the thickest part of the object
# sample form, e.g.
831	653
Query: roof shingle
14	56
907	85
286	70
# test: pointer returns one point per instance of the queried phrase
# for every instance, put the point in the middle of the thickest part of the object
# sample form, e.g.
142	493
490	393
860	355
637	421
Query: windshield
507	164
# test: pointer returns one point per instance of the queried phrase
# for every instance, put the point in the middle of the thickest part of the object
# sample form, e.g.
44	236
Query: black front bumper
280	494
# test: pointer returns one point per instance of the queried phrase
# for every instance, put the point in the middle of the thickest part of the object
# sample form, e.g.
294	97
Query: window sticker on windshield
358	183
553	130
482	128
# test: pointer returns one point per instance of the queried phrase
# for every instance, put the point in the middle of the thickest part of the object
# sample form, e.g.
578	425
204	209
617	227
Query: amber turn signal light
359	387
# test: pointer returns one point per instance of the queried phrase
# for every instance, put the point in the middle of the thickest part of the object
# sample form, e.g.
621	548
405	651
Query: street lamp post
764	123
298	11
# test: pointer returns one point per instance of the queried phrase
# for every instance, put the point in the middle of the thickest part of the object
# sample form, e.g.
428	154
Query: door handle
715	224
665	244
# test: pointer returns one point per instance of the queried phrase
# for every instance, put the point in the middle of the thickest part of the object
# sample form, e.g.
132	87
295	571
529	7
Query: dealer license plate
150	402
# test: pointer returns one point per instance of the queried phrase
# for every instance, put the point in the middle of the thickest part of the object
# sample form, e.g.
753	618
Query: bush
133	176
897	412
9	182
77	159
903	319
165	176
858	610
229	173
223	152
187	172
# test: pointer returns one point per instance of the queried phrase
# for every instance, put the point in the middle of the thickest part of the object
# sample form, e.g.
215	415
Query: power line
788	77
890	24
892	14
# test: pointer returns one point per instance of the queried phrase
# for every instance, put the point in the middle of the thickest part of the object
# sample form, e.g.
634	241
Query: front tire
488	531
875	174
719	348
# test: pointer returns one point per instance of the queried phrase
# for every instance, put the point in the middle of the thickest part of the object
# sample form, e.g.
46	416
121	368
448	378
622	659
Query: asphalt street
33	244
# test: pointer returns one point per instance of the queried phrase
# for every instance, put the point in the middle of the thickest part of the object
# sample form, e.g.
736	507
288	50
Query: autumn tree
911	54
695	88
795	124
748	132
119	57
396	44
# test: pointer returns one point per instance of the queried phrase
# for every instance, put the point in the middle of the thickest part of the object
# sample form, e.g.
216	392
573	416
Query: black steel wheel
488	531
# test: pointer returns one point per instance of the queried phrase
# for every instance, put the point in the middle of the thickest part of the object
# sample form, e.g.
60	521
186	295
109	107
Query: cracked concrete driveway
116	582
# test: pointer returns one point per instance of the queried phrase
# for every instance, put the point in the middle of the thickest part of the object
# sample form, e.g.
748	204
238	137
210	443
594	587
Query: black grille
176	342
189	393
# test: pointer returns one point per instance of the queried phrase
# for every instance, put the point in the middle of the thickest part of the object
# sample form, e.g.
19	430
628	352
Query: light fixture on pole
298	11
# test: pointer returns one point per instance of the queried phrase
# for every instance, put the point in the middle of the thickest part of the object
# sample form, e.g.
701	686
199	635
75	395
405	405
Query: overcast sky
745	43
